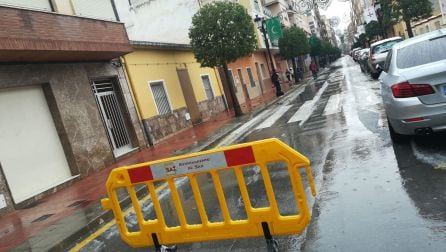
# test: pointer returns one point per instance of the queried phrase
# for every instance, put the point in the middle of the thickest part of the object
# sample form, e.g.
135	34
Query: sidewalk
60	218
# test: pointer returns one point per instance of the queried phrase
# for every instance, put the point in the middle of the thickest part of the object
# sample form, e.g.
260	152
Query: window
421	53
257	6
387	62
384	47
160	96
262	67
240	75
437	25
251	78
207	87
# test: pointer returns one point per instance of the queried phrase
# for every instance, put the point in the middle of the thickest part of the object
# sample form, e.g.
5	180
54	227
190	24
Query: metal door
112	116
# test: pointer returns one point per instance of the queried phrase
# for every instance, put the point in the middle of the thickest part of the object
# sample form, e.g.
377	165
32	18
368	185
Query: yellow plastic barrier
260	221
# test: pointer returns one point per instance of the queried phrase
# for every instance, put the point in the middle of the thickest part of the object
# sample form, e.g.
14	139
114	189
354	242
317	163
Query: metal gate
112	116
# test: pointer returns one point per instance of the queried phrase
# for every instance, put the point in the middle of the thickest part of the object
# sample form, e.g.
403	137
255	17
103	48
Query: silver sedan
413	86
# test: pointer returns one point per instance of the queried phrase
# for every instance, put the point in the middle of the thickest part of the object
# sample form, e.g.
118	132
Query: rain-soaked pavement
373	195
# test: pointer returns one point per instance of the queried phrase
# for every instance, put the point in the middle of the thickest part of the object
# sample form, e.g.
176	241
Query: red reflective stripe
240	156
140	174
416	119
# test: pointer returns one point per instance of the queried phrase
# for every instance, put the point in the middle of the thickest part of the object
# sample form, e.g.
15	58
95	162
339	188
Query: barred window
207	87
160	96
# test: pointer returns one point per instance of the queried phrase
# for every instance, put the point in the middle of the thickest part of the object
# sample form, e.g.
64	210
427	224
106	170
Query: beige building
432	23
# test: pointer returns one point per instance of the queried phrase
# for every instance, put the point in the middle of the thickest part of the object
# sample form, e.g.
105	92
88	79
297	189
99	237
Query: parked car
353	53
378	54
413	86
356	55
363	58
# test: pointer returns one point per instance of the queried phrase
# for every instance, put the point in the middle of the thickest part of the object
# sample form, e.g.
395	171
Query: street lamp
260	21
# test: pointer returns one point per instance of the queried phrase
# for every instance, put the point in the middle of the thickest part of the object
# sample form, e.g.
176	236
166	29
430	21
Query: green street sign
274	28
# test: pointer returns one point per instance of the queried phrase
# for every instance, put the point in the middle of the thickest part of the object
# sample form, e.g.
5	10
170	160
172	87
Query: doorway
112	116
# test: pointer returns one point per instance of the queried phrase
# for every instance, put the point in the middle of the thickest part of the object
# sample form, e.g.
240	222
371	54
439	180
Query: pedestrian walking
276	81
313	69
288	74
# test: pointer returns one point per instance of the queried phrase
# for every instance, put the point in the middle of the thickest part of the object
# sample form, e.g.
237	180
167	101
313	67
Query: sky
340	9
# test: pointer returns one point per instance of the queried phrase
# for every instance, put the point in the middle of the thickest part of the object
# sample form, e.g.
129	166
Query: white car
413	85
378	54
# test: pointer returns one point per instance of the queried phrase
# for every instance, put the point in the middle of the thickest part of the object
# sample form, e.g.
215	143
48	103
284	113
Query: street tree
411	11
373	29
385	17
222	32
361	41
293	44
315	46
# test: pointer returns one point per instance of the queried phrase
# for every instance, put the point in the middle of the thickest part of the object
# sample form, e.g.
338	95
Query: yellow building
171	90
432	23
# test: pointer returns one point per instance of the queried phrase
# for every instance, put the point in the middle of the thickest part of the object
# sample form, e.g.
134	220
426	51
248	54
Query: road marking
307	108
302	112
235	134
108	225
276	115
333	105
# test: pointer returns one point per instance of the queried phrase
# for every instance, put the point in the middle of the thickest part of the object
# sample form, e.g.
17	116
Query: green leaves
373	29
411	10
221	33
315	46
294	43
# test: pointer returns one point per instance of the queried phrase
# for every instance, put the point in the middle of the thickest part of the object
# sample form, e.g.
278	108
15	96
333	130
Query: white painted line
275	116
251	122
333	105
307	109
302	112
236	133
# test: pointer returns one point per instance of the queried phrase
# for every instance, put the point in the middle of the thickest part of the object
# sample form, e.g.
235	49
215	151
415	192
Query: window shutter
160	96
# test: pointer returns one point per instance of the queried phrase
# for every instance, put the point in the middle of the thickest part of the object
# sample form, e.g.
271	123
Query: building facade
65	104
435	22
171	90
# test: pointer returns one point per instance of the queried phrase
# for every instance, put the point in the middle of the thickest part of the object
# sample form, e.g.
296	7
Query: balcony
37	36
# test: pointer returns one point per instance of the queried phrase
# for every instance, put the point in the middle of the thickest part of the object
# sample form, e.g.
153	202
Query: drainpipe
147	130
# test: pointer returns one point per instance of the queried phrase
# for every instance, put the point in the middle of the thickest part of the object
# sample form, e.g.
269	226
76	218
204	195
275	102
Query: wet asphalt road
373	195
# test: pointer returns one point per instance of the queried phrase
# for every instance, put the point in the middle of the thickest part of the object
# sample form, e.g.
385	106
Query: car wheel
396	137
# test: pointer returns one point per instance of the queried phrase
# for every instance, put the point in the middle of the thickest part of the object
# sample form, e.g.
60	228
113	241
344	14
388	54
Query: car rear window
385	46
421	53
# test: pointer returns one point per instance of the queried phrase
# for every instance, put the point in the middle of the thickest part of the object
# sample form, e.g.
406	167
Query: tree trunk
409	28
235	103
